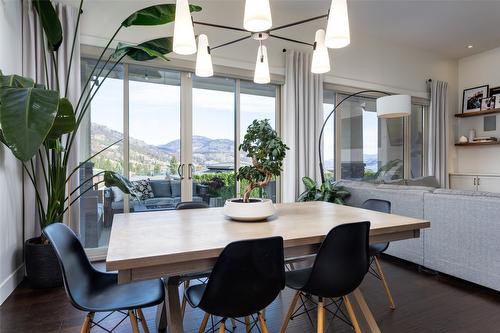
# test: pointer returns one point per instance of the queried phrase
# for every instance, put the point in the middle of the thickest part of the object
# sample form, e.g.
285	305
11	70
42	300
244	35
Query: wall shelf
477	144
477	113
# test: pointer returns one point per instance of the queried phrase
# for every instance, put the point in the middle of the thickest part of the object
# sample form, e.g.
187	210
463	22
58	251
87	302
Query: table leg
173	306
365	310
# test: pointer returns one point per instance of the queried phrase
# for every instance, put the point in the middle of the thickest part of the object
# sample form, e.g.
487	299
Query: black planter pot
42	266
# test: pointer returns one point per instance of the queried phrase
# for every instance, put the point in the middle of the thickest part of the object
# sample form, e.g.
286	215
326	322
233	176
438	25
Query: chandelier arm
292	40
219	26
299	22
231	42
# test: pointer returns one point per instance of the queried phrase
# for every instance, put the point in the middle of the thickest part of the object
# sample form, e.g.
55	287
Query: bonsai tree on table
267	151
38	121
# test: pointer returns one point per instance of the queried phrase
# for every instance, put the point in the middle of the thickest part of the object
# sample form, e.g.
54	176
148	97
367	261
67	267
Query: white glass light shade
204	67
261	74
394	106
337	31
321	60
184	40
257	16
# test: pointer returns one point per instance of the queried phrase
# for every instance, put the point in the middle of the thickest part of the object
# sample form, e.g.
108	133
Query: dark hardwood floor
425	303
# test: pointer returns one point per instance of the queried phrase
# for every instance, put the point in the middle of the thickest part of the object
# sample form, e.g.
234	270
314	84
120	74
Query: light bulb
184	40
257	16
204	67
337	31
321	60
261	74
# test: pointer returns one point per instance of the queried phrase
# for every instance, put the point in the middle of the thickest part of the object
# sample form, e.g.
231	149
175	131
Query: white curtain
302	120
438	132
33	67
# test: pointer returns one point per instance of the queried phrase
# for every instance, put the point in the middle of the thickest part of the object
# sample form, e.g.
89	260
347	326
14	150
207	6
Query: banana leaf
149	50
2	139
112	178
50	23
16	81
27	115
65	121
155	15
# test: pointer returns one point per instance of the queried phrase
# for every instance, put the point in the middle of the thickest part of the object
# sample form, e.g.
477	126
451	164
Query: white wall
11	196
473	71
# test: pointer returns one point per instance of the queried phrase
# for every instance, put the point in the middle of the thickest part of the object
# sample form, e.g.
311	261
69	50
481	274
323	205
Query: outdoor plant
38	121
328	192
264	147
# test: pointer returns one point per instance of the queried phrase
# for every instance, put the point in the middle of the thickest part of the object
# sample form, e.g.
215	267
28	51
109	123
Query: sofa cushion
175	187
161	188
143	189
467	193
428	181
405	187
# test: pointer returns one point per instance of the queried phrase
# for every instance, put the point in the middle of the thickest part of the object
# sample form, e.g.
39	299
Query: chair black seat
297	279
107	295
195	293
376	249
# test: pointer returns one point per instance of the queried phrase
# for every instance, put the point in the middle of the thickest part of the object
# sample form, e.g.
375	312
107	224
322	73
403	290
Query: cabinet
474	182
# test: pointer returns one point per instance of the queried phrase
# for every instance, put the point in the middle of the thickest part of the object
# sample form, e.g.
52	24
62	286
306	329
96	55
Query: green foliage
326	192
149	50
173	165
115	179
267	152
155	15
65	120
50	23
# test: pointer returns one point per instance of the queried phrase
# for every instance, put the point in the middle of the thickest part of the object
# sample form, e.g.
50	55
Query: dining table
173	244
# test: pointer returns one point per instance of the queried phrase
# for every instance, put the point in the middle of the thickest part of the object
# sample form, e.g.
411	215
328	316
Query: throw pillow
143	189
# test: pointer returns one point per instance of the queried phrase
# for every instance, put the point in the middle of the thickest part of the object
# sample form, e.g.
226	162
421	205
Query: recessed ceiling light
470	46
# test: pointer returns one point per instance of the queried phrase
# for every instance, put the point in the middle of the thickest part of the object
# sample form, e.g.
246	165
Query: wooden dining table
172	244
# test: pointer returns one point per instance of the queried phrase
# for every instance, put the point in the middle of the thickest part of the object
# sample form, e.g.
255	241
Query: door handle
478	181
179	168
474	181
190	171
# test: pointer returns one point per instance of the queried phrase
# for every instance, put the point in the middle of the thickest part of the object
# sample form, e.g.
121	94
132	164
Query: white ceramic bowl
256	210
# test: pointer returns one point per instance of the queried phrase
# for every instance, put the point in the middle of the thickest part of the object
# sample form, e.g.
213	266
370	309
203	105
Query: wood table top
163	237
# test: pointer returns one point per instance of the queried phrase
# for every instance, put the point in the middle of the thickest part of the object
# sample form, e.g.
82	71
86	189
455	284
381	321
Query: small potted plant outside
266	151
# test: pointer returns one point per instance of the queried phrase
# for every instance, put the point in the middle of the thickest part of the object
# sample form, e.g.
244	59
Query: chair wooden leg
321	316
247	324
204	323
350	311
384	283
87	323
143	321
233	322
133	321
184	300
290	312
262	323
222	328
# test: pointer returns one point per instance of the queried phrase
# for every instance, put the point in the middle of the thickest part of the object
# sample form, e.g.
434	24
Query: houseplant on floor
328	192
267	151
39	124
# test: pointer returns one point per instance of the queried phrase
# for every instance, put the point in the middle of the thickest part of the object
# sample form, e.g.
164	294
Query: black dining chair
246	278
382	206
191	205
94	291
339	268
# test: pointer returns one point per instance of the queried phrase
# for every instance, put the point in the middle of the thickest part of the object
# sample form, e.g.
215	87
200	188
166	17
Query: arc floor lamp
388	106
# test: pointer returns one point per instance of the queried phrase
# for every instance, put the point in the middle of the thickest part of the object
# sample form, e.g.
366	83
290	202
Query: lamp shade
337	30
394	106
321	60
184	40
204	67
257	15
261	74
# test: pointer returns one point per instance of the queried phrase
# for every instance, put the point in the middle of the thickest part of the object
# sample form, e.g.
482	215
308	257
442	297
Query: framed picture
472	98
494	91
497	101
488	103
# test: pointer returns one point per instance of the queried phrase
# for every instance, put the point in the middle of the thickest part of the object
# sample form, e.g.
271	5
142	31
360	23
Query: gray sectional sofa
465	226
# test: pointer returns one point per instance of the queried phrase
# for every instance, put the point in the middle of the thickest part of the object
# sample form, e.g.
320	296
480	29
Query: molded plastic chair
382	206
94	291
191	205
246	278
339	268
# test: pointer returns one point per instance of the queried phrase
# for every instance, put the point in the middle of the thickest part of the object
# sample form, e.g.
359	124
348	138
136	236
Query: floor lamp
388	106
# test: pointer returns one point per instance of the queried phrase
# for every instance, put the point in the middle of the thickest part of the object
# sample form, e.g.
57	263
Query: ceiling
442	27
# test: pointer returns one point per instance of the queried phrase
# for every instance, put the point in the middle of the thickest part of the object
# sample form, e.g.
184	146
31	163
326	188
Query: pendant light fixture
204	67
261	75
257	16
184	40
320	60
337	30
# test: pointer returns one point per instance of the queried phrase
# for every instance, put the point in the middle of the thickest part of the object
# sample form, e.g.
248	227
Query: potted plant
267	151
38	122
328	192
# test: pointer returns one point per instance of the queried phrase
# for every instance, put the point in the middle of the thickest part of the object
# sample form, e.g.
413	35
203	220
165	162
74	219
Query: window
329	135
417	141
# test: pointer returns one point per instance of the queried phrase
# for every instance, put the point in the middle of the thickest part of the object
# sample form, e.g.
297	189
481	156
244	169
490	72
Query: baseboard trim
10	283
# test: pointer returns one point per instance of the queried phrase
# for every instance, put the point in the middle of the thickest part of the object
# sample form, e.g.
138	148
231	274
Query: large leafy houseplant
38	121
328	192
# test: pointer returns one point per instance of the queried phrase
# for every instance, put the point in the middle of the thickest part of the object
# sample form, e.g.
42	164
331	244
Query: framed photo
488	103
497	101
494	91
472	98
